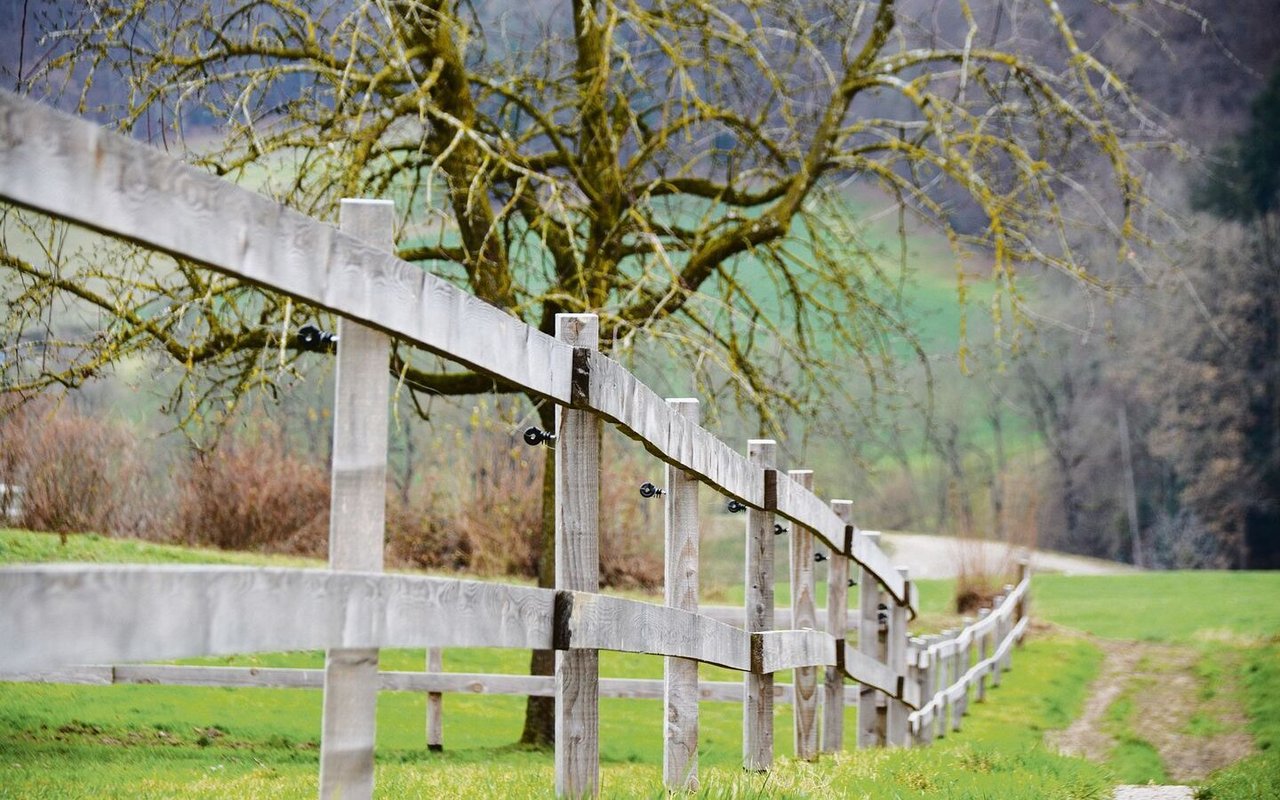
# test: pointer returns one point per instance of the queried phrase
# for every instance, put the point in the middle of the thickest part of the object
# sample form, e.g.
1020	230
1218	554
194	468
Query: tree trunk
539	713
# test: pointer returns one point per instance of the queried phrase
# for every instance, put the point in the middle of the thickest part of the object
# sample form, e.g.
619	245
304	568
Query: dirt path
941	556
1192	719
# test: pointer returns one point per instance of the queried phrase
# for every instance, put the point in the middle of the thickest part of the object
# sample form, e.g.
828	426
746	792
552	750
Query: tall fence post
984	652
837	622
357	517
757	687
916	677
930	681
1024	602
999	630
577	759
1010	620
870	730
803	615
435	704
680	688
946	668
896	658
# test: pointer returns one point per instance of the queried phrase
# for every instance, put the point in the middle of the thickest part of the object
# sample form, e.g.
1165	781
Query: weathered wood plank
430	682
779	650
869	671
757	705
867	552
680	679
836	624
57	614
735	616
357	512
71	168
602	622
577	483
89	674
803	607
620	397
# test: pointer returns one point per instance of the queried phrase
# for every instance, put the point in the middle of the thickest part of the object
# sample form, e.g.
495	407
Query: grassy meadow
156	741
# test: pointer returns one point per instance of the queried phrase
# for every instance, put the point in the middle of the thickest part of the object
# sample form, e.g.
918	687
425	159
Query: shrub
252	494
78	473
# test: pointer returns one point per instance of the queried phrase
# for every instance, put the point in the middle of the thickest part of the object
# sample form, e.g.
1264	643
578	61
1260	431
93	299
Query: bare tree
680	168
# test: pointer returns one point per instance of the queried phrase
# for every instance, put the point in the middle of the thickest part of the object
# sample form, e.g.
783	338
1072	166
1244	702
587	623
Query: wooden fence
55	617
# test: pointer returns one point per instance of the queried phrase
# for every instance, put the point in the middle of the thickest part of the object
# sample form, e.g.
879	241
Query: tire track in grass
1161	712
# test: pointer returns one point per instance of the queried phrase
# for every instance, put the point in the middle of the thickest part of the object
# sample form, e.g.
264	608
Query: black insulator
819	557
537	436
315	340
648	490
852	583
734	506
778	530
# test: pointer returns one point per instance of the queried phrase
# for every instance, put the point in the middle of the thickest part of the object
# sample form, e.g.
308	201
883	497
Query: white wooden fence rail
53	617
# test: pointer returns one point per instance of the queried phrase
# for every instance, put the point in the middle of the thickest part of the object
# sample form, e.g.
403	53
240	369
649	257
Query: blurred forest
1139	424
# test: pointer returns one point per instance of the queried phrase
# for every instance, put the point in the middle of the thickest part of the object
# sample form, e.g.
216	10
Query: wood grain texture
680	675
757	697
736	616
357	511
622	398
836	624
577	484
73	169
59	614
803	612
603	622
779	650
896	659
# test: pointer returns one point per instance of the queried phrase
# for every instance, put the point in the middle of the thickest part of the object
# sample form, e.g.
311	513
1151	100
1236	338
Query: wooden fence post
870	732
577	479
946	675
984	652
803	615
435	704
931	669
916	677
837	621
757	688
963	660
1024	602
680	689
357	517
1010	621
997	639
896	658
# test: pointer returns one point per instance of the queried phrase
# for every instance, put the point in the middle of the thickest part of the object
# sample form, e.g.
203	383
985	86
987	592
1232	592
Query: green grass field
61	741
